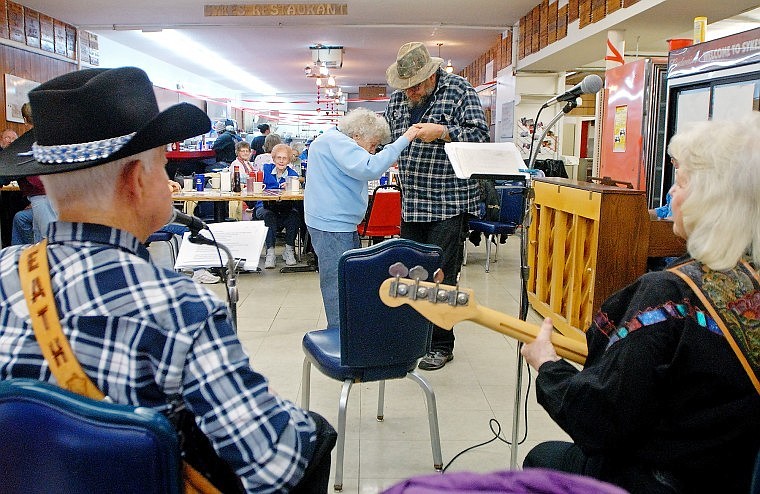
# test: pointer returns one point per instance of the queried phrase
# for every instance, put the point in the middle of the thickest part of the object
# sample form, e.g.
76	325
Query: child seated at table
277	214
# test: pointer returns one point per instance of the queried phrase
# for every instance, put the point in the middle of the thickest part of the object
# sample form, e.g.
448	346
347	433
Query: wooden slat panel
614	5
562	22
16	22
543	25
3	19
552	22
572	10
71	42
32	27
598	10
60	37
47	33
584	13
558	254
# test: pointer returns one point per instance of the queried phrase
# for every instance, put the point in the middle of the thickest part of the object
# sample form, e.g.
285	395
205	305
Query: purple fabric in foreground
529	481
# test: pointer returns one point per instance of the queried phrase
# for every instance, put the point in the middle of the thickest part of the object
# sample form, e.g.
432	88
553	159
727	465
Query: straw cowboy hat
95	116
412	66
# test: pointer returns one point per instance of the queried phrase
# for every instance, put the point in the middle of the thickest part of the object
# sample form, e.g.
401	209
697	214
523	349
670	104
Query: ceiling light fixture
449	68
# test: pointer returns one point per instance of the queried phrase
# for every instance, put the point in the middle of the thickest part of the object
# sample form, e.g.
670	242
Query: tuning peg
438	276
398	270
418	273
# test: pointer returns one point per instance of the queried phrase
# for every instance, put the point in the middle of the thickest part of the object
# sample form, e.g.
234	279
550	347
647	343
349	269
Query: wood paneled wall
31	66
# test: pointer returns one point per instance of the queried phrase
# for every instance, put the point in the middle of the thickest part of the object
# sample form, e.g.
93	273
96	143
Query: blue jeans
42	215
22	232
280	217
329	246
449	235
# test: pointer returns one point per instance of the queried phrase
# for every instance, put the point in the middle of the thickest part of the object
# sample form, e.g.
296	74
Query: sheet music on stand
245	239
495	160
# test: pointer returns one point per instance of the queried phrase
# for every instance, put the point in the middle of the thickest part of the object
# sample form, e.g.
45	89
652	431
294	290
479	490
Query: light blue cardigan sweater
335	197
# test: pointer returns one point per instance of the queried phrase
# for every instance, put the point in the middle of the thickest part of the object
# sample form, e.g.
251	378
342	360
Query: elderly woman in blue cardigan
341	161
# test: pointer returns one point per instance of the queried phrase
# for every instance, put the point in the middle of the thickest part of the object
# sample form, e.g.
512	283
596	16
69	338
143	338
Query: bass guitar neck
446	305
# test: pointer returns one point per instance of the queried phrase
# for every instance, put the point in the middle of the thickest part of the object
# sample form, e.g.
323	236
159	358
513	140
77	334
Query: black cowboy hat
95	116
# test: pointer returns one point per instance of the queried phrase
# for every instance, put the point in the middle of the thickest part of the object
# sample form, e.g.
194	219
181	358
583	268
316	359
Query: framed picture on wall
16	90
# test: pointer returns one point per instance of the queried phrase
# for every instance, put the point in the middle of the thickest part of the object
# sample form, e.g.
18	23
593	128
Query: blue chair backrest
511	198
52	440
371	333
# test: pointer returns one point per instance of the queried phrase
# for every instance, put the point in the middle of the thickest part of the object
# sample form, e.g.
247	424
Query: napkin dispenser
225	181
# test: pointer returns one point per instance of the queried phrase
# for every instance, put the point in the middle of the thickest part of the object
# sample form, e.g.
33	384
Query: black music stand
500	161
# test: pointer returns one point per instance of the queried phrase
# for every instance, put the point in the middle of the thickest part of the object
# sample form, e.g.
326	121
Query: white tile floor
276	309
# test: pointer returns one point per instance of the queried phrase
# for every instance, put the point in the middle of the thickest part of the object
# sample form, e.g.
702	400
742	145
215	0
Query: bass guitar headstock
443	305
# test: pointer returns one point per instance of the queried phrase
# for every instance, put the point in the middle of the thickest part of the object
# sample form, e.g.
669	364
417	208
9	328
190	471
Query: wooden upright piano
587	241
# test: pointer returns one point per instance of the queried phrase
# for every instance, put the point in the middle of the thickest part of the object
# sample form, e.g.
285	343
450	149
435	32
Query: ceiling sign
276	9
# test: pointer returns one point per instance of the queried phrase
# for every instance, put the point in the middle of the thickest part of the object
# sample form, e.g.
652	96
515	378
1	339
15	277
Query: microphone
194	223
589	85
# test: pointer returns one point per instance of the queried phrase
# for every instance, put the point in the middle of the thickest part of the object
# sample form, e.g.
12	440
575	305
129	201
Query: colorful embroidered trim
669	310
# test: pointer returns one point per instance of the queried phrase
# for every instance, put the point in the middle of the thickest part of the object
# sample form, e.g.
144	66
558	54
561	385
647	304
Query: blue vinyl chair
512	209
55	441
375	342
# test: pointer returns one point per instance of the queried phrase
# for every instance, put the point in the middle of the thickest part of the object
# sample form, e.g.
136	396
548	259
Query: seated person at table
145	335
224	145
22	231
668	399
270	141
243	161
277	214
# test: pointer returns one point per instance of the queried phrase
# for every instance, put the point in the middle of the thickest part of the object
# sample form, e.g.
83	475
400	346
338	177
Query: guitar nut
462	298
422	292
403	289
443	295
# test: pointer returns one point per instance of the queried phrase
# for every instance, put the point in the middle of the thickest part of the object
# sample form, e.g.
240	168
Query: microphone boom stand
524	273
232	290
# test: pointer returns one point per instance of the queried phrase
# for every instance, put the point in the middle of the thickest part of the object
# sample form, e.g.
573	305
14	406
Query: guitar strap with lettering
732	298
34	274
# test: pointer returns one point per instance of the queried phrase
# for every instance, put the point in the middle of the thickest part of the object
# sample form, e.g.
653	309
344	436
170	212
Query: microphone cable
495	427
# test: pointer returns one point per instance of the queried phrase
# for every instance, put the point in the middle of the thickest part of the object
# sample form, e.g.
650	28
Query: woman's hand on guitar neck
541	350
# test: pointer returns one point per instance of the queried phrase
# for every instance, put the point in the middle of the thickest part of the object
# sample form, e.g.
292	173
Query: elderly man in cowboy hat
436	204
144	335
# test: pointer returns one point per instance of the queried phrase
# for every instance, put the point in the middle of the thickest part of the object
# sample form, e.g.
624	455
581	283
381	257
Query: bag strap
729	310
34	273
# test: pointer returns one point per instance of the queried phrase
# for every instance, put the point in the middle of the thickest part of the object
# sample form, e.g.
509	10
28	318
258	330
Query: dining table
222	199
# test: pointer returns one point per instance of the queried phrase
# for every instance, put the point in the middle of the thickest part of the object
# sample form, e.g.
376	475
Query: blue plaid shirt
146	335
431	190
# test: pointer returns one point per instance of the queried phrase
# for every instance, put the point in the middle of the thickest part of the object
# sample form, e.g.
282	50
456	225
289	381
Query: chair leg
435	436
496	252
464	253
341	441
380	401
306	383
488	252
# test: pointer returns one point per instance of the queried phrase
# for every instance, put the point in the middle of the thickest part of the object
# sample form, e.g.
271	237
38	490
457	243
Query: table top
216	195
190	154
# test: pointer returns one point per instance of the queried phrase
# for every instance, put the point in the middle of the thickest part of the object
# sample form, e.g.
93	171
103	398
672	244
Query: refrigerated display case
715	80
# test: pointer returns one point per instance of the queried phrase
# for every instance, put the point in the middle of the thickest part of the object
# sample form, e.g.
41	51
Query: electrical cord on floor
495	427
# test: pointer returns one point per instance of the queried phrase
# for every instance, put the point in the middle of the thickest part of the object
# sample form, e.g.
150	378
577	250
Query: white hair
365	123
721	211
91	187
